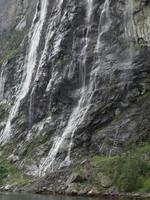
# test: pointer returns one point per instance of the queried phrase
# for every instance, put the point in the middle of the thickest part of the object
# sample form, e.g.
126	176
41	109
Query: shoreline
103	195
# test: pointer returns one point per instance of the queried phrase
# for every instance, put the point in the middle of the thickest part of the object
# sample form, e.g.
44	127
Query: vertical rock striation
77	84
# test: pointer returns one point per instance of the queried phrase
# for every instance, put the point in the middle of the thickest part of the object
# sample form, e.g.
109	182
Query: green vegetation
9	55
146	186
144	97
129	172
139	44
31	146
9	174
10	44
12	39
3	174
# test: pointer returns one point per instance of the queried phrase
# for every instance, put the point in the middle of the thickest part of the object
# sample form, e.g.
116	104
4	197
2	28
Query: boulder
106	182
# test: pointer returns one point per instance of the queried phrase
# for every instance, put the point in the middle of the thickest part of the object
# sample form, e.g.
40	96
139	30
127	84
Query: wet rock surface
89	92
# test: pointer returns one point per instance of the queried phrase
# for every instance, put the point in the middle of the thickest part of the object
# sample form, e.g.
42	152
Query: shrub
3	173
146	186
129	172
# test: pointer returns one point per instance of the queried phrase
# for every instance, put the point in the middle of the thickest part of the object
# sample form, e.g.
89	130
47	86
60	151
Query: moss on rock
11	175
127	173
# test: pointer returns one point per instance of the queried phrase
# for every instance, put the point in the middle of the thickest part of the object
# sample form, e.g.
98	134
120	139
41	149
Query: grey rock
13	158
106	182
114	110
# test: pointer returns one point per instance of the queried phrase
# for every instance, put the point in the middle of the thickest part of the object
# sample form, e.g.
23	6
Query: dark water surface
12	196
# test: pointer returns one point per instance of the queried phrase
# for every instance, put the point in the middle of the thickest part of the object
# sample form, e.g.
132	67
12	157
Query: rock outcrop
74	83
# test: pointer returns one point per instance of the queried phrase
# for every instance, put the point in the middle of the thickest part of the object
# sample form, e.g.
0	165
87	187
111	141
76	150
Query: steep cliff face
141	21
15	13
77	84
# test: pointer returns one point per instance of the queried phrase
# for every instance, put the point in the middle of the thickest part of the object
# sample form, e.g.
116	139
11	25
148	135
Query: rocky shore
92	193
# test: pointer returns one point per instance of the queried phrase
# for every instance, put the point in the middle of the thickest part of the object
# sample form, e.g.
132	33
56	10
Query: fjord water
18	196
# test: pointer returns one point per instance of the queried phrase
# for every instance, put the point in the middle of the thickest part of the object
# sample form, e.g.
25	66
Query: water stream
78	113
2	82
104	23
29	66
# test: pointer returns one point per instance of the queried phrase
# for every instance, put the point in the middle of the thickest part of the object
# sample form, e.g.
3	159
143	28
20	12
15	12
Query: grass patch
9	55
146	186
12	39
130	172
9	174
30	148
144	97
10	45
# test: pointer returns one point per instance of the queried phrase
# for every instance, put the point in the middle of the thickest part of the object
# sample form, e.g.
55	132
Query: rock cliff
74	84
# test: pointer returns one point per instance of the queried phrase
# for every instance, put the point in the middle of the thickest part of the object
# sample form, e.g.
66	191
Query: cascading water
104	23
128	19
88	92
77	88
129	35
49	34
78	113
2	82
129	26
84	89
30	63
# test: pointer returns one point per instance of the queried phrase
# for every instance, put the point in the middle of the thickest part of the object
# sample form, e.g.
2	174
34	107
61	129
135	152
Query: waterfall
29	66
89	9
128	20
78	114
104	23
49	35
2	82
129	27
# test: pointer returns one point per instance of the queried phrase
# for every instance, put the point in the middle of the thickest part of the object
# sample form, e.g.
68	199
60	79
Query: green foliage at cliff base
129	172
9	174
